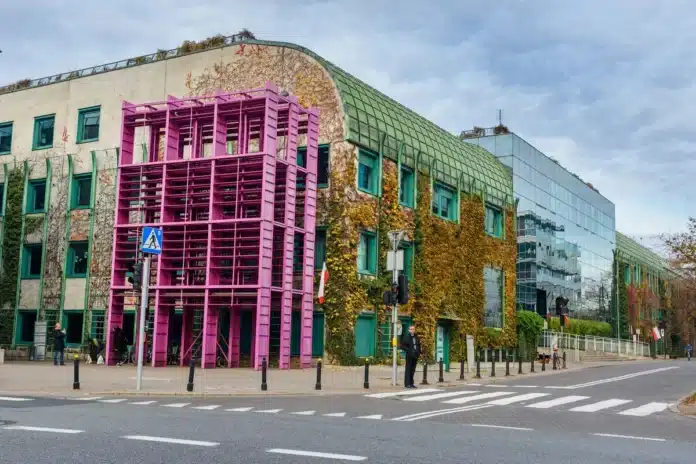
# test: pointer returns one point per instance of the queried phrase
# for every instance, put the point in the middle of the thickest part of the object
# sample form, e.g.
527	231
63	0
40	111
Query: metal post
425	373
441	377
532	370
478	365
493	365
519	362
141	330
461	369
76	380
507	364
318	384
264	367
366	384
192	372
543	364
564	360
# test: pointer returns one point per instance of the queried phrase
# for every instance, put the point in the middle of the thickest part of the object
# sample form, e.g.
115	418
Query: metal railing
576	343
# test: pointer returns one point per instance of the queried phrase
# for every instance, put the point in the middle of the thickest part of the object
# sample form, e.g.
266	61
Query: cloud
604	87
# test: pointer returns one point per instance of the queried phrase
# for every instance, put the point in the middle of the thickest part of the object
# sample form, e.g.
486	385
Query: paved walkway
42	378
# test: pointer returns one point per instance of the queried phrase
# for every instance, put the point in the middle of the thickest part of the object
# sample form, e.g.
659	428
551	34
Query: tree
682	316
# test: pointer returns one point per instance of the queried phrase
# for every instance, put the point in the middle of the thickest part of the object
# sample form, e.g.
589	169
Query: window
319	248
88	124
77	259
322	164
5	138
368	172
406	187
493	285
43	132
36	197
494	221
81	191
31	261
367	253
408	260
627	274
302	157
443	202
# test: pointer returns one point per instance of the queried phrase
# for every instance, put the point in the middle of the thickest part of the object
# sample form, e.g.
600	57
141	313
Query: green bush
583	327
529	327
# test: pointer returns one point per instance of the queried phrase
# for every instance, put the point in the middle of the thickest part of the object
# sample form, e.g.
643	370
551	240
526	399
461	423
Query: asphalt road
502	426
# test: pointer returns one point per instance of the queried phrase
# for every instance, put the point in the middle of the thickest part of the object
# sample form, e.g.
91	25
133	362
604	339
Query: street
610	414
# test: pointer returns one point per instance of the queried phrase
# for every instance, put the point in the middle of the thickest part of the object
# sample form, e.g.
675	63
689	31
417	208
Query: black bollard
532	370
507	365
555	361
425	373
264	367
543	364
564	361
76	380
366	384
192	370
519	363
461	370
318	385
441	378
478	365
492	365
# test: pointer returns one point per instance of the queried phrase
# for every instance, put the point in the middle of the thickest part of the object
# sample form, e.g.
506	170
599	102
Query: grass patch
691	399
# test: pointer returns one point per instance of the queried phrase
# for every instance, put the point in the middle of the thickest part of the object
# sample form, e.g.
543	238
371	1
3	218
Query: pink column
210	329
160	333
235	335
186	337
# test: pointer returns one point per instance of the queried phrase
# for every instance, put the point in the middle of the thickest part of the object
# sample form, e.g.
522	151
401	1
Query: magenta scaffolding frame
221	176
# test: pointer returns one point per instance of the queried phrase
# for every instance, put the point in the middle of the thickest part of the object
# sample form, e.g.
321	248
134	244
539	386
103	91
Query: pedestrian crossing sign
152	241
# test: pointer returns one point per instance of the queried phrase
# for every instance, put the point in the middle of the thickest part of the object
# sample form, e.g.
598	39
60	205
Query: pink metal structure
221	177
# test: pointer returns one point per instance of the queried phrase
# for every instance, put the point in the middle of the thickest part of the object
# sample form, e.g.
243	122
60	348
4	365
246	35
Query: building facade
381	168
565	230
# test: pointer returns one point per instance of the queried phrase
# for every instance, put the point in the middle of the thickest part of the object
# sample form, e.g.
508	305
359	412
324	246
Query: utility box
40	340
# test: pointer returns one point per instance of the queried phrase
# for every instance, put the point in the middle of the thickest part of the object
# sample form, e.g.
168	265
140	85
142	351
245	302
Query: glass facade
565	232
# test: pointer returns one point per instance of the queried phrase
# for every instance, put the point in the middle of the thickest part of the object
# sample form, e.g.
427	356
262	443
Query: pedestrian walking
411	344
58	345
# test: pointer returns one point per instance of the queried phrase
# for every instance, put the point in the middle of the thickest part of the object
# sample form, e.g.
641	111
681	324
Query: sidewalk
44	379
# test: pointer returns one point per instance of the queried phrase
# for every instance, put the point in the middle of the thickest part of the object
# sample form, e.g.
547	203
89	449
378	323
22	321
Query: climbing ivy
12	227
623	304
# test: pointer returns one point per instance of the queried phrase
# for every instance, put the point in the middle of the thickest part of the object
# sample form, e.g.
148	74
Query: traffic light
402	294
136	278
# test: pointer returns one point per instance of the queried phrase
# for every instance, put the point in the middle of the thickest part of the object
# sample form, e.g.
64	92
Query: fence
577	343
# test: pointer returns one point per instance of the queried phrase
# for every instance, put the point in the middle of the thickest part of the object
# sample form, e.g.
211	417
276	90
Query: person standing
58	345
411	344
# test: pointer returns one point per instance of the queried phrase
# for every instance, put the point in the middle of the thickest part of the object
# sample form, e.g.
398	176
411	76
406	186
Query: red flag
322	282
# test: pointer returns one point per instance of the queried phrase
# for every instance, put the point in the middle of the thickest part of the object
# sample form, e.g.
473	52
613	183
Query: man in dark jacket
58	345
411	344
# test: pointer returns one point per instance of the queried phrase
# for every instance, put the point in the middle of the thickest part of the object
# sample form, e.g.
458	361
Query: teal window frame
367	253
323	163
6	132
78	183
2	199
501	295
406	187
407	248
302	157
368	181
82	116
319	247
39	122
444	194
28	252
494	221
74	248
32	196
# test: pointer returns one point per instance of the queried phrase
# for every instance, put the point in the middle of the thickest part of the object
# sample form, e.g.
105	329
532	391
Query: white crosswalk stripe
518	399
269	411
403	393
239	409
14	399
143	403
208	407
437	396
482	396
606	404
645	410
176	405
115	400
304	413
557	402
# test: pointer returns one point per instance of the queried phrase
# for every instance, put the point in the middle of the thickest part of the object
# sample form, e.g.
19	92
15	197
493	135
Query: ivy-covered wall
12	236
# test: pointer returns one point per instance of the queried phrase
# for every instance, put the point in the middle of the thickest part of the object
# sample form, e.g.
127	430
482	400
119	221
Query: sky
605	87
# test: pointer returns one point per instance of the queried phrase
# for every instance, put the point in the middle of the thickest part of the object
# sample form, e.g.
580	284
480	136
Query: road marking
594	407
403	393
177	441
304	413
175	405
336	414
645	410
115	400
373	417
270	411
316	454
441	412
501	427
474	384
517	399
524	386
616	379
627	436
239	409
482	396
497	385
15	399
209	407
143	403
557	402
89	398
437	396
42	429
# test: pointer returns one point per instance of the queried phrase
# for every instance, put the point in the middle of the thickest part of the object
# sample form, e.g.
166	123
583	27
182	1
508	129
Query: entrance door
442	349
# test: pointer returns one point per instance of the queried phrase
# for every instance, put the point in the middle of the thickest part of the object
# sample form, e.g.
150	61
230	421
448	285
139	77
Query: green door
365	336
442	348
318	335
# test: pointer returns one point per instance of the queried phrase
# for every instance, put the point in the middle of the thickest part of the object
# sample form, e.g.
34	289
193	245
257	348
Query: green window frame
368	172
81	191
493	282
2	199
32	261
407	248
494	221
444	202
322	163
406	184
36	196
78	257
319	247
627	274
88	124
367	253
5	138
44	128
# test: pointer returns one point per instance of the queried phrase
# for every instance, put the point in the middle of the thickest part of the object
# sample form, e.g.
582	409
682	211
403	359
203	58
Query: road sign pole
141	329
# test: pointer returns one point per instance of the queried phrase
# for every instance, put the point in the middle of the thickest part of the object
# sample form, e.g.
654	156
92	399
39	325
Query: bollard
532	370
76	380
192	370
318	385
461	370
519	362
507	364
264	367
493	365
425	373
441	378
555	361
543	364
366	384
564	360
478	365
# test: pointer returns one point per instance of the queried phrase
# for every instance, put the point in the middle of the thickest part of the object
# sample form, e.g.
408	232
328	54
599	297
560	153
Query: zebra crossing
533	400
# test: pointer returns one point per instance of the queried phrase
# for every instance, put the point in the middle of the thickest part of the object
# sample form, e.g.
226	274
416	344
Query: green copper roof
630	250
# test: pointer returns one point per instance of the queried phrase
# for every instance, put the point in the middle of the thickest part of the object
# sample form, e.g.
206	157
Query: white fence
576	343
